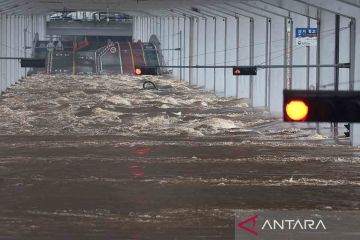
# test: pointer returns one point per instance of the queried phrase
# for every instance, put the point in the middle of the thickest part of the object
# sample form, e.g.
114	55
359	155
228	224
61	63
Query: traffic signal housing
140	70
32	63
244	71
321	106
347	133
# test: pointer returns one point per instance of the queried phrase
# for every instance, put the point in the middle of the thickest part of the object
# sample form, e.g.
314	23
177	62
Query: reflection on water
142	151
136	170
98	157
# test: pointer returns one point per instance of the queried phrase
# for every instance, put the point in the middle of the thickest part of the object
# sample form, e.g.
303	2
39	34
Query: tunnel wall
17	36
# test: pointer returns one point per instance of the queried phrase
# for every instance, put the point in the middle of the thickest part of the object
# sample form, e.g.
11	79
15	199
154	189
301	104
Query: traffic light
138	71
321	106
32	63
347	126
245	71
297	110
146	71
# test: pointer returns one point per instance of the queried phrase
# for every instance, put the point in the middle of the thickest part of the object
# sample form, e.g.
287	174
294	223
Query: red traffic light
138	71
145	70
297	110
246	71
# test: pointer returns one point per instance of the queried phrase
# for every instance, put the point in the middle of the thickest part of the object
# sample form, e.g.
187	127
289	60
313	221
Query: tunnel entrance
87	56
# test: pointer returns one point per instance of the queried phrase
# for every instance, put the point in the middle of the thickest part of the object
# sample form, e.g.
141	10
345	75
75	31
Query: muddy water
101	158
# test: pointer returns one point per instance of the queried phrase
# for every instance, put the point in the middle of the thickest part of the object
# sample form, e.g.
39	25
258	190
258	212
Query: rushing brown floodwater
100	158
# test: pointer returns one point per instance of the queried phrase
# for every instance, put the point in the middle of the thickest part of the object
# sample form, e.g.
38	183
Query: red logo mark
250	230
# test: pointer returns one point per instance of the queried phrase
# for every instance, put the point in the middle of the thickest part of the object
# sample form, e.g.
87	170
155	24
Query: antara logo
250	230
292	224
249	225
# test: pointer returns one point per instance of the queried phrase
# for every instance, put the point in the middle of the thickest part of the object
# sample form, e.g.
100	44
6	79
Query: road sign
306	36
113	50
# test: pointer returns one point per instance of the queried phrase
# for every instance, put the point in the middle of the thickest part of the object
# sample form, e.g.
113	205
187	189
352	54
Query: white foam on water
165	106
315	137
219	123
204	104
255	182
107	114
257	122
160	121
6	110
319	182
62	100
82	104
76	94
189	101
117	100
242	105
190	131
170	101
289	131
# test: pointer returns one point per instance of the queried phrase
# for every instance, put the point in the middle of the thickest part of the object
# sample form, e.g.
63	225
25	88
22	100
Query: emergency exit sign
306	36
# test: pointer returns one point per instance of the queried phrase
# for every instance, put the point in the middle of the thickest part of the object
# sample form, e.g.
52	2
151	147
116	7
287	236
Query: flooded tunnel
88	151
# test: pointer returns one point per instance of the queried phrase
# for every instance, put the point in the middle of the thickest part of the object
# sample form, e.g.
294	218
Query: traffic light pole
337	69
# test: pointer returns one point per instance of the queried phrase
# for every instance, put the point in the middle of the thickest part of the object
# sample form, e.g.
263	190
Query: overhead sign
306	36
321	106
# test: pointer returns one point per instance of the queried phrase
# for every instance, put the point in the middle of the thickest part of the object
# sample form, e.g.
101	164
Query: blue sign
306	36
306	32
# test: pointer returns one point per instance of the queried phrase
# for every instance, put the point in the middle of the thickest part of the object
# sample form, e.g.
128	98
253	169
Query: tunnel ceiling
134	7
